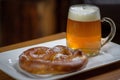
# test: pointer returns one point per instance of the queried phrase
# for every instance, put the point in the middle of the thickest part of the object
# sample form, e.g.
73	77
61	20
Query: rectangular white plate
110	53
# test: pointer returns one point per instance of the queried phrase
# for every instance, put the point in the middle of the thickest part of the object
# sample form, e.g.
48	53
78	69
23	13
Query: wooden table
109	72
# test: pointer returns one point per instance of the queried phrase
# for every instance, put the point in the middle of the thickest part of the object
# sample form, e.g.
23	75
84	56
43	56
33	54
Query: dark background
20	20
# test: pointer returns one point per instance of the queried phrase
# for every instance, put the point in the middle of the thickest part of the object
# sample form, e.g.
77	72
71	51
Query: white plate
110	53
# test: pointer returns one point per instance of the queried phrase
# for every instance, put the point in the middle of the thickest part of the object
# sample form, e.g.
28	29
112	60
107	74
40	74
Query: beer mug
84	29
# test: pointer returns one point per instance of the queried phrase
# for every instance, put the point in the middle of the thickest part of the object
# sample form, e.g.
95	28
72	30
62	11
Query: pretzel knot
57	60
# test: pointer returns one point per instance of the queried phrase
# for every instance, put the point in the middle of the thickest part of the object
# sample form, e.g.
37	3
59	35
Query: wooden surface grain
109	72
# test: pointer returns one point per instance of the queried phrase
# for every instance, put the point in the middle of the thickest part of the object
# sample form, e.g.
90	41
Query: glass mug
84	29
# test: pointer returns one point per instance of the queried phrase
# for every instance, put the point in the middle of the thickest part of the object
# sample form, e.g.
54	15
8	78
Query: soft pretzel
57	60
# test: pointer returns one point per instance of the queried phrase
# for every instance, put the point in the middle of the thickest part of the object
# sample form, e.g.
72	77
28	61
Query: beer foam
84	13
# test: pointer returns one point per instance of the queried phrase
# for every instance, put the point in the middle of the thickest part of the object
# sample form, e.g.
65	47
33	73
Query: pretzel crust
57	60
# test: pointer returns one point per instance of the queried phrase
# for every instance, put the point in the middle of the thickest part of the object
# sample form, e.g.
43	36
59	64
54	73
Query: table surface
109	72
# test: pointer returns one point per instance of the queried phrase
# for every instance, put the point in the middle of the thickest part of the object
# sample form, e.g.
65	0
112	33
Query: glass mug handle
112	32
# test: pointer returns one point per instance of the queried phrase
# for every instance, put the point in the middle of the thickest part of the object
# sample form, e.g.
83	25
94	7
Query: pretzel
57	60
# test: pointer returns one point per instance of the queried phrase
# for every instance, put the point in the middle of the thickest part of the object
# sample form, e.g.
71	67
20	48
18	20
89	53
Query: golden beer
84	29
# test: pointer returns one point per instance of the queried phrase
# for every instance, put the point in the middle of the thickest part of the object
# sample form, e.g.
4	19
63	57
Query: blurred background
22	20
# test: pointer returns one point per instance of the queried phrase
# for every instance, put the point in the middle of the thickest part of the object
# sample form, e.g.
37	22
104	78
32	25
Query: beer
84	28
